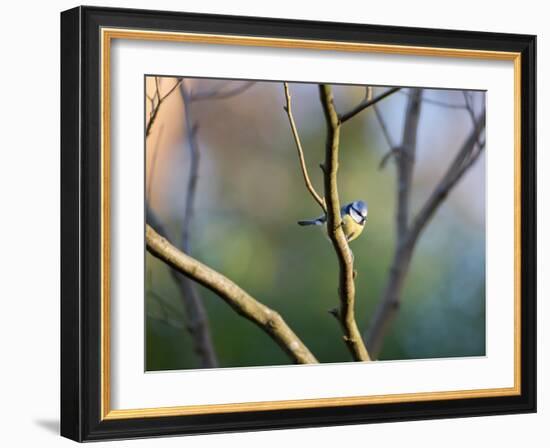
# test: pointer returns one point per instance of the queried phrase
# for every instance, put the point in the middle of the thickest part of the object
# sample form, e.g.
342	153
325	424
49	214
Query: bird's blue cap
360	207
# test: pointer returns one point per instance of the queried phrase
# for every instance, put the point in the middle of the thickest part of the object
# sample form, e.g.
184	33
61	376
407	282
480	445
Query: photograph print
300	223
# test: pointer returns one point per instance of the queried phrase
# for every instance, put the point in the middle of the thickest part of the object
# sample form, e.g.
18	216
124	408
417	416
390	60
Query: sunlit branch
309	185
366	104
243	303
346	289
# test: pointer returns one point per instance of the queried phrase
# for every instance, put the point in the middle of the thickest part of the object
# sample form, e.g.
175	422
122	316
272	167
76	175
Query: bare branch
165	303
407	239
470	107
243	303
309	185
172	89
157	88
346	289
220	93
156	107
405	164
383	126
439	103
464	159
196	316
153	220
194	160
366	103
402	254
393	151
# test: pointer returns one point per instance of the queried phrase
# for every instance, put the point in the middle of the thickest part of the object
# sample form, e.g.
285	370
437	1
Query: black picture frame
81	224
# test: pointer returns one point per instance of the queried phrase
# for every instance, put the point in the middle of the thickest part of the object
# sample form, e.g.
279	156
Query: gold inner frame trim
107	35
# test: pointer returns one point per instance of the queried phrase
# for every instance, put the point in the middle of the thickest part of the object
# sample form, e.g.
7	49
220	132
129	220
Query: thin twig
383	126
346	314
172	89
392	150
243	303
166	303
196	317
439	103
367	103
309	185
467	155
156	107
471	112
194	304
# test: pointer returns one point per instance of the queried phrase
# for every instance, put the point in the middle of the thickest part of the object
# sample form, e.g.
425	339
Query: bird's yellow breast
351	228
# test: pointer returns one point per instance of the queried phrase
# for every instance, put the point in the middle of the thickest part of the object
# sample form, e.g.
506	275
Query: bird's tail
310	222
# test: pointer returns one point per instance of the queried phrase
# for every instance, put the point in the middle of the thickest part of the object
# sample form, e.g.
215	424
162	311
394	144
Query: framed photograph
274	224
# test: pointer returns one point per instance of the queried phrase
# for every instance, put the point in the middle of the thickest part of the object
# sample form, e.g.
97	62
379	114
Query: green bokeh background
250	195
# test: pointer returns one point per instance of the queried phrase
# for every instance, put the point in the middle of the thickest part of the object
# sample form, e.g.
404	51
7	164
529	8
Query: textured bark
243	303
346	289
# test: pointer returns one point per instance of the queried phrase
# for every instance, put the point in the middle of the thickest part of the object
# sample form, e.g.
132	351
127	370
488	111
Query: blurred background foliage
250	194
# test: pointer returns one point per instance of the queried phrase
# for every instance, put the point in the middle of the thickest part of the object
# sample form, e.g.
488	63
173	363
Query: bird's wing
343	210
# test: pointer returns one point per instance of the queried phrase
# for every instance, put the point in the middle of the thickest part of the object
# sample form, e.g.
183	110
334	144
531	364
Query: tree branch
464	159
392	149
439	103
197	318
403	250
366	103
405	164
383	126
155	107
346	313
408	236
309	185
194	160
244	304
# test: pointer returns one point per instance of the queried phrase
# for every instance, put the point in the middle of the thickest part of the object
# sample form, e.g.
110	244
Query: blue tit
354	217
